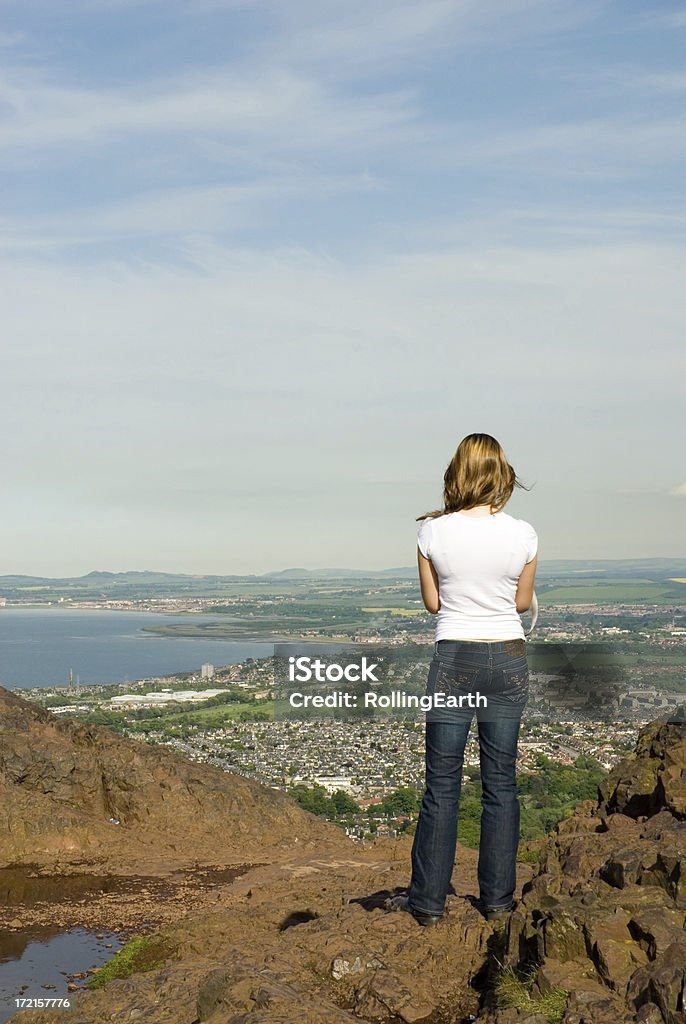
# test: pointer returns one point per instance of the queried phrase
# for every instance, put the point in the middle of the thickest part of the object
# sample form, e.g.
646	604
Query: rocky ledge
304	938
604	917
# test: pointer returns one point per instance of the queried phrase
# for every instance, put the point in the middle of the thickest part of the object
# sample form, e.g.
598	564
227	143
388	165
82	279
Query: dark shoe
492	913
421	917
498	913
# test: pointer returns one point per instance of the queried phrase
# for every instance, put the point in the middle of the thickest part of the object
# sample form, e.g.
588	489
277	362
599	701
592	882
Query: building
206	671
141	700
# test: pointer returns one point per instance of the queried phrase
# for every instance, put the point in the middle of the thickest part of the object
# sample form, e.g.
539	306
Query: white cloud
174	212
133	390
498	283
347	37
281	97
153	408
586	323
273	109
598	147
630	79
254	121
679	491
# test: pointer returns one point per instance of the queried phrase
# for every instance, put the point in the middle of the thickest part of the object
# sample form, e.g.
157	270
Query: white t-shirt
478	560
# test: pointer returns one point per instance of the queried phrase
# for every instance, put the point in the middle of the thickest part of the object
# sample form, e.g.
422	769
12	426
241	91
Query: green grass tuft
141	953
513	989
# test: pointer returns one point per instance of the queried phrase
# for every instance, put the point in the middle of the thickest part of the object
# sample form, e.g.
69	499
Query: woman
476	568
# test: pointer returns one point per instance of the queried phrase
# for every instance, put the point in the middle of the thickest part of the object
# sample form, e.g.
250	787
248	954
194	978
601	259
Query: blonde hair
478	474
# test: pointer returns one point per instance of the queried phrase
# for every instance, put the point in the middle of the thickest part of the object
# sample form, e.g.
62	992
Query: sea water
40	646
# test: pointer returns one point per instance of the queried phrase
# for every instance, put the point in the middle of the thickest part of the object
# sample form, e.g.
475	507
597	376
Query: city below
617	660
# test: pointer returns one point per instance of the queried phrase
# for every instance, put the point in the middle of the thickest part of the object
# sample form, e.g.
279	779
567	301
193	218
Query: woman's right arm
525	586
428	581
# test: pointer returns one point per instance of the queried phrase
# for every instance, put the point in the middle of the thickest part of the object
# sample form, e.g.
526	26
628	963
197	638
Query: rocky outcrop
653	778
61	781
305	939
604	918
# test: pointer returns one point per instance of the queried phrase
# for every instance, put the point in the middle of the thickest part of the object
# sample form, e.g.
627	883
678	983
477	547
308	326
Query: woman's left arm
428	581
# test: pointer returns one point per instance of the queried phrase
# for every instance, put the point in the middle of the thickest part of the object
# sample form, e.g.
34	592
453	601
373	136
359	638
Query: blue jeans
499	673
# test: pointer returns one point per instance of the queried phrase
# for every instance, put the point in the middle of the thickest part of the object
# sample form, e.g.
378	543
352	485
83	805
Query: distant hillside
555	567
61	781
139	584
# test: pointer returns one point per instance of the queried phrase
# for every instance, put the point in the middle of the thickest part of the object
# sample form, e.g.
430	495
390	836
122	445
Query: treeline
547	795
340	805
317	800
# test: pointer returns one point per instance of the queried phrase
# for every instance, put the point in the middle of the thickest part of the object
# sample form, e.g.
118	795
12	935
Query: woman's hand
428	581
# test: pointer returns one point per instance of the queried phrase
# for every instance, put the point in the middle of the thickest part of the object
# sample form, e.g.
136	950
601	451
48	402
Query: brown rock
572	976
649	1013
668	871
653	778
662	825
663	982
589	1008
621	823
654	929
612	949
560	934
578	824
61	780
625	865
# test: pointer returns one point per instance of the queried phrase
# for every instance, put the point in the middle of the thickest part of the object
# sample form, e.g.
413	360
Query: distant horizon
297	569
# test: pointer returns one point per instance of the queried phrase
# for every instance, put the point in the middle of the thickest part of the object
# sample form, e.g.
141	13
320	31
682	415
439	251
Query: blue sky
264	264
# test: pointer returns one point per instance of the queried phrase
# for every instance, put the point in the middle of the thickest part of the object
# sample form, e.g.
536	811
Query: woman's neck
478	511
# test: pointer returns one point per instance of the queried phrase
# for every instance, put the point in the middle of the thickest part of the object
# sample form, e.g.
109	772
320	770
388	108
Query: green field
169	717
635	591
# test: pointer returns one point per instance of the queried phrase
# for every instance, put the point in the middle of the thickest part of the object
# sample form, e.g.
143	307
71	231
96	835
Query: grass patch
141	953
608	592
513	990
530	853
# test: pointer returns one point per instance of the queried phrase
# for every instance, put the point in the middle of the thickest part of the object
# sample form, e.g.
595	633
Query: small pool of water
22	885
40	963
